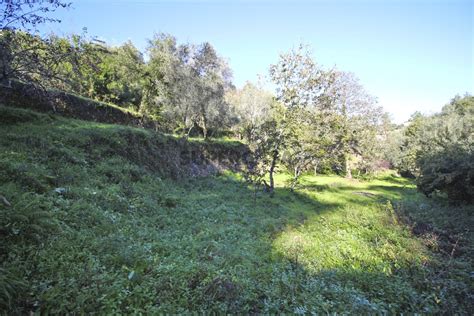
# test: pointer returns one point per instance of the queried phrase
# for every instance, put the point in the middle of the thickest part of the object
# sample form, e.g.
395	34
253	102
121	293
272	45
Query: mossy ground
93	230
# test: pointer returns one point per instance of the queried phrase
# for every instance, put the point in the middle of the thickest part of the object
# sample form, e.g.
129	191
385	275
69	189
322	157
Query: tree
213	78
391	142
444	154
262	144
360	119
25	56
157	74
251	105
191	81
265	144
301	84
411	145
119	76
300	141
307	91
41	61
28	14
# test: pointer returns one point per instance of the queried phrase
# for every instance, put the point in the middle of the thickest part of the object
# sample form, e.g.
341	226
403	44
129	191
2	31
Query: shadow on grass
278	282
194	244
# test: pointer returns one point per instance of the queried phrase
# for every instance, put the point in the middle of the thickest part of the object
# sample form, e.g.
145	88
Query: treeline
179	86
319	120
323	118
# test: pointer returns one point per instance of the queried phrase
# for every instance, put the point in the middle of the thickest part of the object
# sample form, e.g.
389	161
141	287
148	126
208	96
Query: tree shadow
276	282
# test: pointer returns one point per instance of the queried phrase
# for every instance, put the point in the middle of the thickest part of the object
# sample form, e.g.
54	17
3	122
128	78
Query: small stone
60	190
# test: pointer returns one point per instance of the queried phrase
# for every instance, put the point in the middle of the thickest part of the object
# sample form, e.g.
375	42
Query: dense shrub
450	171
439	150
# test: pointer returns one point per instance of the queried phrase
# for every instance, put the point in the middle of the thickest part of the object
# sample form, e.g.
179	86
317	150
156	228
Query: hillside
53	101
101	218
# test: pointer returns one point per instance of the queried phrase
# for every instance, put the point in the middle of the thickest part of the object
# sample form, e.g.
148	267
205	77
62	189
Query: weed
95	224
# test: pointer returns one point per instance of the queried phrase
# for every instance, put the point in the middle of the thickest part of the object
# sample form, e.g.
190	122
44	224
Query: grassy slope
92	231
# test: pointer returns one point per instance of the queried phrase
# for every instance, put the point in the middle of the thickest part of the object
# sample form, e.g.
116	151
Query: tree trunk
346	141
189	130
347	167
204	126
296	175
272	171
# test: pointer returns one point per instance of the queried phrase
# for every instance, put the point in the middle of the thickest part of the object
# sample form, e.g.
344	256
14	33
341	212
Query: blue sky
411	55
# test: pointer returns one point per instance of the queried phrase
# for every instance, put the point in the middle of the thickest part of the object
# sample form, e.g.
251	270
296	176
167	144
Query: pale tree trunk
189	130
297	172
204	126
347	167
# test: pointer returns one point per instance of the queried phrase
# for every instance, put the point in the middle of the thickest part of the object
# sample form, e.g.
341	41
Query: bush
440	151
450	171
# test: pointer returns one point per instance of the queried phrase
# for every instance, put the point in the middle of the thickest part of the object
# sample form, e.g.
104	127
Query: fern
10	288
28	219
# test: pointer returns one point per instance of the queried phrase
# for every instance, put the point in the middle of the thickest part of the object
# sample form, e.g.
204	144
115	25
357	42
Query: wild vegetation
215	198
91	226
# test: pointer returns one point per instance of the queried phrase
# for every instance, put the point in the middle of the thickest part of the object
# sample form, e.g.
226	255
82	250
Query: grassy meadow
89	230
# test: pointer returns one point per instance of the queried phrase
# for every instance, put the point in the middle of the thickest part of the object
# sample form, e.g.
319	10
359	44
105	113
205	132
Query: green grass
92	228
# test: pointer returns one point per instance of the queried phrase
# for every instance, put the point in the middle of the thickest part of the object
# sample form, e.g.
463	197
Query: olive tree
189	83
251	106
360	119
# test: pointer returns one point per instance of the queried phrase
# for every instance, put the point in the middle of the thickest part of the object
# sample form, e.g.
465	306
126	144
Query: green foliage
187	83
124	238
182	86
28	220
324	117
447	231
264	143
252	106
11	287
439	150
120	78
411	144
392	143
27	57
9	116
450	171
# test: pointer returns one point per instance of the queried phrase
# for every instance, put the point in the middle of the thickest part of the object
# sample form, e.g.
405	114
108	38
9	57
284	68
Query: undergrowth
90	225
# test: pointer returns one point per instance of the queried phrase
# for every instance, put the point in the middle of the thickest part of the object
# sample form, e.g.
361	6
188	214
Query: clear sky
411	55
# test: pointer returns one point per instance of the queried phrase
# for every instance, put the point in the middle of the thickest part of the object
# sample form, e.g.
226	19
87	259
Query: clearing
92	228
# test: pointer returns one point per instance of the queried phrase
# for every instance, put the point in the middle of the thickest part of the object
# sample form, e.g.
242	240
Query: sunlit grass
126	239
359	231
